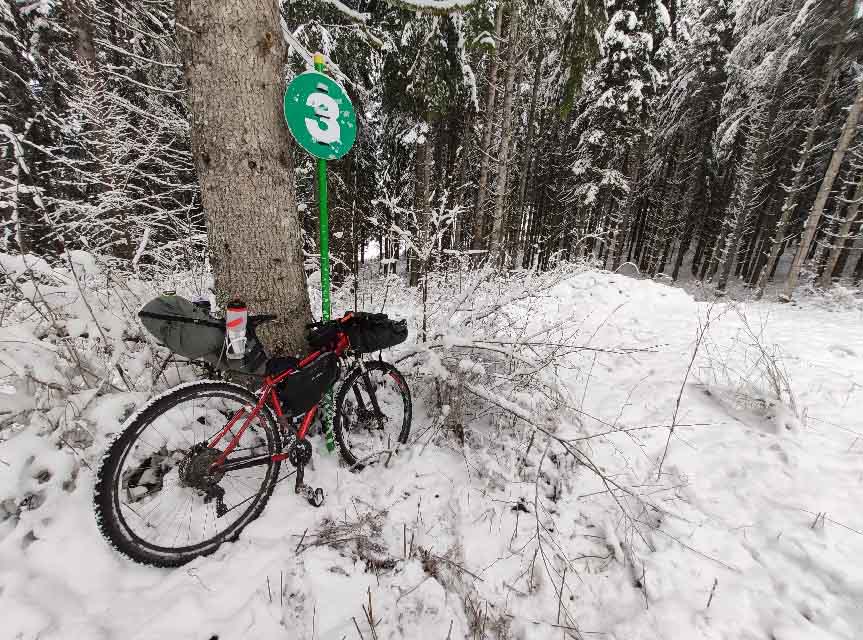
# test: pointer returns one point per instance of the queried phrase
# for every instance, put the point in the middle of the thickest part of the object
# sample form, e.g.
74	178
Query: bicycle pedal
315	497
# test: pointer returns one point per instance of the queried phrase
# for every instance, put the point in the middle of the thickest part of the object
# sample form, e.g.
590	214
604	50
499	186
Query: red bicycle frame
269	396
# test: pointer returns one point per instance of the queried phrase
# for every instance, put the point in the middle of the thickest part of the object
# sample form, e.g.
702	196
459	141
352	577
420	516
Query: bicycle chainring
300	453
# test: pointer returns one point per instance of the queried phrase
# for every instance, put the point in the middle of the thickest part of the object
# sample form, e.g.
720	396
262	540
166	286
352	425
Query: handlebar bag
369	332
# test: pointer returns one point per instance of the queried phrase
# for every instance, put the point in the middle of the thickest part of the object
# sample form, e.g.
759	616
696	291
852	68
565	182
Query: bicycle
168	484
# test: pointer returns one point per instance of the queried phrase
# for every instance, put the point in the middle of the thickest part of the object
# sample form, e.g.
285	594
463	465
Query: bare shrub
747	373
360	537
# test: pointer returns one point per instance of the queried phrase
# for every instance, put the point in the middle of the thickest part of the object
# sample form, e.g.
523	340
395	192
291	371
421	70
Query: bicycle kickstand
314	496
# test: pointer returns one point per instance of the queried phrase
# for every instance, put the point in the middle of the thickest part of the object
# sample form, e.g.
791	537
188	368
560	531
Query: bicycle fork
370	390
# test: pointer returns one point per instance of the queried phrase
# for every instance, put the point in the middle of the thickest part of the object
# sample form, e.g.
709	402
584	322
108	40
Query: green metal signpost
322	120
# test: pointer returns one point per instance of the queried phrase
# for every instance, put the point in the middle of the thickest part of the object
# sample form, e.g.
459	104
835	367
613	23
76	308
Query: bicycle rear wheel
158	500
373	413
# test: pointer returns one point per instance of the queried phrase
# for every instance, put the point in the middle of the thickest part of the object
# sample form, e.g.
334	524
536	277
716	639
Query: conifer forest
706	139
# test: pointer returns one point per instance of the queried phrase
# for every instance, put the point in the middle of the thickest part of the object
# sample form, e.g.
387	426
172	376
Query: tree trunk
462	179
790	203
424	162
355	254
758	248
638	247
526	163
485	152
844	231
233	56
688	220
510	226
858	270
497	233
830	229
621	232
752	177
811	227
699	251
82	26
682	249
710	247
848	248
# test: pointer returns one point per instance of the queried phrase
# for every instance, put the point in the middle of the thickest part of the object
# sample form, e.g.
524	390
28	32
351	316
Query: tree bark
858	270
621	231
682	249
752	177
462	179
233	56
526	162
750	261
424	162
847	136
497	247
844	231
790	203
82	26
479	220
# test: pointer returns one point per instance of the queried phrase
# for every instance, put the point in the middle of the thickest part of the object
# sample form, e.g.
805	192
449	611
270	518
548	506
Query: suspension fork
367	382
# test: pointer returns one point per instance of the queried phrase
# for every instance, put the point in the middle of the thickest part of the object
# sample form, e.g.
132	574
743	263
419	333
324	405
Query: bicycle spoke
164	506
373	414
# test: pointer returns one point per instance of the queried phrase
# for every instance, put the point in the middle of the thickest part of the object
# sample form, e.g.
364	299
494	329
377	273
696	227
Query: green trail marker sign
320	115
322	120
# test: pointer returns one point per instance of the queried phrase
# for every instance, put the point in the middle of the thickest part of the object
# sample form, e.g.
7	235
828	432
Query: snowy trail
751	492
738	505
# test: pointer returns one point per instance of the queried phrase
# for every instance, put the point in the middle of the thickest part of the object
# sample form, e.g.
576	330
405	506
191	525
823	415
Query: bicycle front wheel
373	413
159	499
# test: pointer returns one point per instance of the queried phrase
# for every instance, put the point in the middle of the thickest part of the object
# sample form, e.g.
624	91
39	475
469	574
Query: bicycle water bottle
236	319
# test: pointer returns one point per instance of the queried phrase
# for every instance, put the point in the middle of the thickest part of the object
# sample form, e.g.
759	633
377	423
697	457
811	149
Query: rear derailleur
216	493
195	472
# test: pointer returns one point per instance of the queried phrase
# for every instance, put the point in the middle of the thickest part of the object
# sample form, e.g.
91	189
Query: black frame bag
304	388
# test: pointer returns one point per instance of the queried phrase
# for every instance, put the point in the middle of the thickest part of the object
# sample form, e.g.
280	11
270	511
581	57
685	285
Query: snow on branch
353	14
433	6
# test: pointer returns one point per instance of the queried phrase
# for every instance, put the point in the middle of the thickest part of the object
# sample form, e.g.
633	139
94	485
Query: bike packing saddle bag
189	331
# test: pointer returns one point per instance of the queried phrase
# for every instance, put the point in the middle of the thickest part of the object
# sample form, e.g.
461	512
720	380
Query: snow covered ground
752	529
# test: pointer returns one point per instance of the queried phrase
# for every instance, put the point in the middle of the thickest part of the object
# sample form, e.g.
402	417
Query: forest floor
754	528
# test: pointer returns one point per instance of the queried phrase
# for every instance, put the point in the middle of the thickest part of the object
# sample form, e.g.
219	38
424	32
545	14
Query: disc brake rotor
371	420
